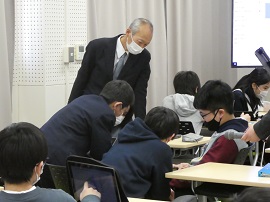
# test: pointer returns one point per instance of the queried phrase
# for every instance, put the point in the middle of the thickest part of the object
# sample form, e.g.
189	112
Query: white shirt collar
119	48
19	192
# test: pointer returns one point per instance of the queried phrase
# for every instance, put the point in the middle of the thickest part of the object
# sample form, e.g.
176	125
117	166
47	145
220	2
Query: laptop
98	175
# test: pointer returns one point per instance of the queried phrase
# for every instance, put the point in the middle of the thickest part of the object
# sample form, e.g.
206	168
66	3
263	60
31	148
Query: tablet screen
101	178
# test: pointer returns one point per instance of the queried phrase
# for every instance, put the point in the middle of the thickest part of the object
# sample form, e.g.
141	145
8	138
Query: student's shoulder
238	92
57	195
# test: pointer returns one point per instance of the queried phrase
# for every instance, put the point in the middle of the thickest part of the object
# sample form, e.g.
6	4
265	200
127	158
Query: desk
222	173
141	200
178	144
182	146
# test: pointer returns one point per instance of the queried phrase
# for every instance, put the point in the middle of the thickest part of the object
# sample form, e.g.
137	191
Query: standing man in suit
101	58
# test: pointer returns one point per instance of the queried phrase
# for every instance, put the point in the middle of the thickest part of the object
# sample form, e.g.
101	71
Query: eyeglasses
204	115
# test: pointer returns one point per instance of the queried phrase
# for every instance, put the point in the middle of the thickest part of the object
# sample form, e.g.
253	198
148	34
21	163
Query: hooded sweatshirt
182	104
141	160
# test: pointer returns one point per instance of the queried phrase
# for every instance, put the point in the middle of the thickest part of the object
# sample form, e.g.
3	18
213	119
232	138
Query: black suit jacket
97	70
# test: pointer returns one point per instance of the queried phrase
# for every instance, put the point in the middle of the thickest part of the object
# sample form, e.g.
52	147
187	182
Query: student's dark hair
22	147
120	91
162	121
253	194
259	76
213	95
186	82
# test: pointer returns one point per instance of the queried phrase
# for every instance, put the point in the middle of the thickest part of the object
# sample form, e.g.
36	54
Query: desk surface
222	173
141	200
177	143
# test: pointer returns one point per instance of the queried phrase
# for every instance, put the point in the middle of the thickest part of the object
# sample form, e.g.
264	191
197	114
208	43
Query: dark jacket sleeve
160	189
140	89
262	127
101	137
240	103
84	73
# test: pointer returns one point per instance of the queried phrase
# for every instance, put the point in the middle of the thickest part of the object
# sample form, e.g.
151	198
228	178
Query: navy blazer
97	70
81	128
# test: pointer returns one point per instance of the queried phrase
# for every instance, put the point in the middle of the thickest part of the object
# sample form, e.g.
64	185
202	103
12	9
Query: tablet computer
102	178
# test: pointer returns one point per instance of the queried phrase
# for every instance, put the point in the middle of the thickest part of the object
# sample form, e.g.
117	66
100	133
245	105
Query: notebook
98	175
265	171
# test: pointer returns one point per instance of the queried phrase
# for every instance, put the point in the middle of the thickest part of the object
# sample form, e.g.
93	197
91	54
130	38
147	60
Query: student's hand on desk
88	191
181	165
250	135
245	116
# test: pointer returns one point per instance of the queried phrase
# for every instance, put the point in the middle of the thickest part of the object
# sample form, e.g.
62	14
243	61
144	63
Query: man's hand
88	191
250	135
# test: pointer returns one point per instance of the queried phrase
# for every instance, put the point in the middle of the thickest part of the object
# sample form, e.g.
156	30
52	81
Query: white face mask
119	120
38	177
262	94
134	48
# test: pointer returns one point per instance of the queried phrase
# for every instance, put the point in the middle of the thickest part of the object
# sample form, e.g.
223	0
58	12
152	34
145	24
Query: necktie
118	66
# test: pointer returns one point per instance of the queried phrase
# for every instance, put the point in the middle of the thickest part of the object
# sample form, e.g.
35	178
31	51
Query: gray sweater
44	195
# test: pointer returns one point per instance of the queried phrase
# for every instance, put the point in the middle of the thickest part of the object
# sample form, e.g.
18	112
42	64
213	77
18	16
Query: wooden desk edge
176	145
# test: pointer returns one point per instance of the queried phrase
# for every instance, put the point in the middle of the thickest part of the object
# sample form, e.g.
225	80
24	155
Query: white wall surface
41	80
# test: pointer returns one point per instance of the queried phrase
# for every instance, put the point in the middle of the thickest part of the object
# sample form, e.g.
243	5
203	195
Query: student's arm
240	103
160	189
259	131
223	151
101	136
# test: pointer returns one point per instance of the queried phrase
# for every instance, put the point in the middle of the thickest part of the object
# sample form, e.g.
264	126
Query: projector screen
250	31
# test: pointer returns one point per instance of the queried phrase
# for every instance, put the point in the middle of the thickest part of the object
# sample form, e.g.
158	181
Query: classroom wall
41	80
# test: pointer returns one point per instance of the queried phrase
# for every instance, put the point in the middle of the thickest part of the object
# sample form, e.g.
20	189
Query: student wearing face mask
215	103
251	90
23	151
84	126
100	64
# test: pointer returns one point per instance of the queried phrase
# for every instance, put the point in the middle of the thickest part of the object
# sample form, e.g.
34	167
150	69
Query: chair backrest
59	176
186	127
243	154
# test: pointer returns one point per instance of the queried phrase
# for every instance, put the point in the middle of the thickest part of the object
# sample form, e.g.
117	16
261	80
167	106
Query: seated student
215	103
250	91
186	85
83	127
23	151
142	157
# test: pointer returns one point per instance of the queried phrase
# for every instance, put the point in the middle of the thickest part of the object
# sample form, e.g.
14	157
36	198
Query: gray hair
135	25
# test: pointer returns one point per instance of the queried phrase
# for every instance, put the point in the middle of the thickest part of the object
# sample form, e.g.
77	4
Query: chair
185	127
216	190
59	176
